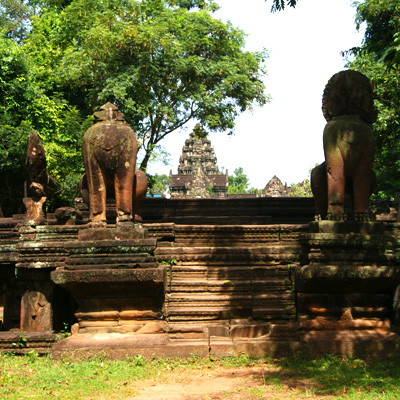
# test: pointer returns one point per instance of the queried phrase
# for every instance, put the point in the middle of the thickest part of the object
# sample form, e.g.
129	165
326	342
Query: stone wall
205	288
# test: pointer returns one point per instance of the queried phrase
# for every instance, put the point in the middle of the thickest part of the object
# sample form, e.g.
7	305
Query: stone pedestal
349	280
35	261
114	278
36	300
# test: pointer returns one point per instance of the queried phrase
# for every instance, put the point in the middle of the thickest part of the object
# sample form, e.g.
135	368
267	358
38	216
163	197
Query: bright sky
284	137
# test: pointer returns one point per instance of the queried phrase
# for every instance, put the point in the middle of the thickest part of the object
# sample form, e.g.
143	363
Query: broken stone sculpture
109	152
68	216
39	184
347	106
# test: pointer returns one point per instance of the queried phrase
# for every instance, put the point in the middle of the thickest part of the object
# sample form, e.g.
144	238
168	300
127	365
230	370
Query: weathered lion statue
347	105
109	152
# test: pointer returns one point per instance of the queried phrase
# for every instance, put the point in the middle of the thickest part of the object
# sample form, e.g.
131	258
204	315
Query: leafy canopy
162	63
157	184
382	34
16	93
379	59
239	182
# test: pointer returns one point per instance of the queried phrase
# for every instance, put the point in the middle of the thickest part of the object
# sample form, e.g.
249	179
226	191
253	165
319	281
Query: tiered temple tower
198	174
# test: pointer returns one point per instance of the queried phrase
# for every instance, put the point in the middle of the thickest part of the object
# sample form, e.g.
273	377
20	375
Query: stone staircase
218	274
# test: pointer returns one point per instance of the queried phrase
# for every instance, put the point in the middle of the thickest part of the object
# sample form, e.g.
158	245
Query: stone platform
174	290
258	340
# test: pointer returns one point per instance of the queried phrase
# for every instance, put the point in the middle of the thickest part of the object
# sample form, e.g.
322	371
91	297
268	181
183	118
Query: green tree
386	84
14	18
379	59
382	33
162	63
25	106
239	182
16	93
302	189
157	184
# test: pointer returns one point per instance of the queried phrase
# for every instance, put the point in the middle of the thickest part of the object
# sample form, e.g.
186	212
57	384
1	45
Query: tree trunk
145	161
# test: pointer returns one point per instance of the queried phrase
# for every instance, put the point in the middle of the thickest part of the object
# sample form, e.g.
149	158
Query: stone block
218	330
345	227
262	346
221	347
284	331
139	314
153	327
119	232
325	324
88	277
250	331
186	328
345	278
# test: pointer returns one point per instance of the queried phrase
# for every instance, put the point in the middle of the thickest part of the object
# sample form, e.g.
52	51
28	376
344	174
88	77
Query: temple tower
198	174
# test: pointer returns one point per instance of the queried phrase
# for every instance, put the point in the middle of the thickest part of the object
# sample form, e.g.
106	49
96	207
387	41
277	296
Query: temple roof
197	167
183	180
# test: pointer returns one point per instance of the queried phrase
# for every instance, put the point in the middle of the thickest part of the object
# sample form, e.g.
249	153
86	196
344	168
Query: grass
347	377
31	376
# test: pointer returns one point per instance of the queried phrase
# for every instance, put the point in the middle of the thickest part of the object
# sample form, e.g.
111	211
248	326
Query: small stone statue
109	152
39	184
347	106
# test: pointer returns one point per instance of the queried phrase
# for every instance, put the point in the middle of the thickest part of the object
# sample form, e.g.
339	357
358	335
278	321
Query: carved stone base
349	278
117	284
124	231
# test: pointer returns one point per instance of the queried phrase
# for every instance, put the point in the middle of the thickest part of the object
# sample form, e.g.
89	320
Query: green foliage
157	184
386	128
22	341
15	89
170	262
24	105
302	189
279	5
161	62
14	18
379	59
13	144
65	331
382	34
238	183
16	93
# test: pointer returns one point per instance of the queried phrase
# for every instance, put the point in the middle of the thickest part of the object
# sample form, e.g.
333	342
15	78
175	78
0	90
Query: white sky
284	137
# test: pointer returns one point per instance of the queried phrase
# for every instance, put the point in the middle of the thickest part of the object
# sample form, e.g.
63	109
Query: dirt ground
226	383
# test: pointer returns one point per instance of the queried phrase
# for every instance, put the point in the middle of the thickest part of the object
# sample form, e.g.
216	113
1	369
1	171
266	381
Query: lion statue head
349	93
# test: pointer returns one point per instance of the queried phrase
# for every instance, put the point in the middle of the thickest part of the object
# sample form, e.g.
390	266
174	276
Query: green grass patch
31	376
346	377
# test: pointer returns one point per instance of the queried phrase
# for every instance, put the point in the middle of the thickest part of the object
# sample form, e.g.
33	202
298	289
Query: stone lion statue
347	105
